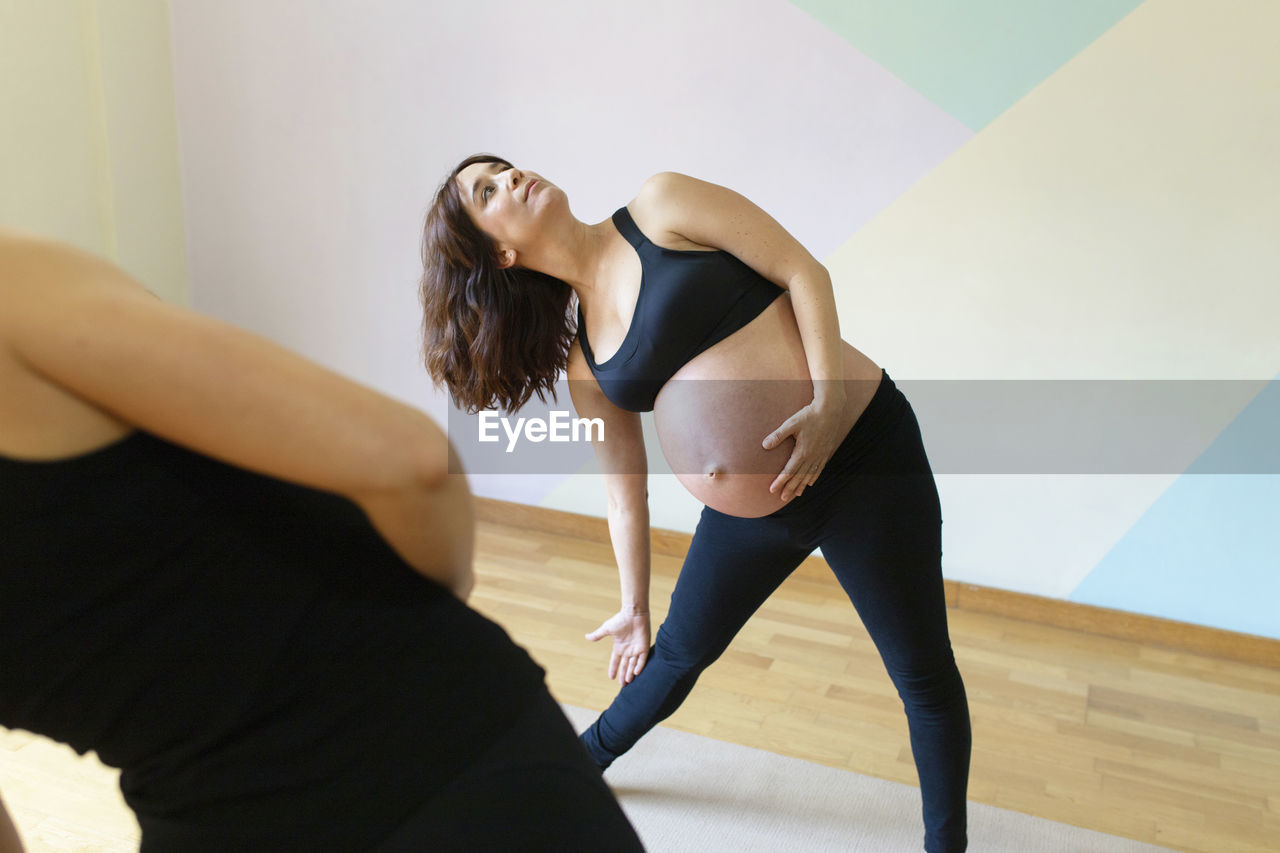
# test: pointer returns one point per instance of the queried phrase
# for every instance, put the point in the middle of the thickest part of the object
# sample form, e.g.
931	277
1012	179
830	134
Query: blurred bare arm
87	328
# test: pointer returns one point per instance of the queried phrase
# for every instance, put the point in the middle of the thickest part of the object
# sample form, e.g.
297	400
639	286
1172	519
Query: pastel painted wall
1116	221
1003	190
88	145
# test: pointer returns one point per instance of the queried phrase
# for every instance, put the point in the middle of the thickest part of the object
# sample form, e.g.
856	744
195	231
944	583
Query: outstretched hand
817	435
630	632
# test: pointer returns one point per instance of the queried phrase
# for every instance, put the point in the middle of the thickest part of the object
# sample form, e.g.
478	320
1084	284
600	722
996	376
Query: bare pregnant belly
712	416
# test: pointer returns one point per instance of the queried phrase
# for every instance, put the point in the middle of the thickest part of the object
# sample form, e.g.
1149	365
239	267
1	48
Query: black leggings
875	513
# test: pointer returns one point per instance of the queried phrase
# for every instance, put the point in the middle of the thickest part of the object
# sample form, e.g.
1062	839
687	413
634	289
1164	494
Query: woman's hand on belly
713	416
816	432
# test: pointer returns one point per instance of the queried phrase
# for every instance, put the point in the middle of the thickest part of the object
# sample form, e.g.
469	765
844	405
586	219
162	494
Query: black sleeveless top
688	302
249	652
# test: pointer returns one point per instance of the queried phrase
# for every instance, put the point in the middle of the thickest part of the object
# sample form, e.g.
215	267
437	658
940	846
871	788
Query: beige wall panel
89	143
142	143
50	135
1119	222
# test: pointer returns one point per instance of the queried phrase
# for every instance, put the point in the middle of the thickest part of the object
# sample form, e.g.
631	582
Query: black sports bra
688	302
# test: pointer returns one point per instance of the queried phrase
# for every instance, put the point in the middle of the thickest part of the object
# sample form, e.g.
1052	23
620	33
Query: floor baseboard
1119	624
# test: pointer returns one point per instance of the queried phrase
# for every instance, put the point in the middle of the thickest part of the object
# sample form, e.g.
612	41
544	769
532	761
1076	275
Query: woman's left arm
716	216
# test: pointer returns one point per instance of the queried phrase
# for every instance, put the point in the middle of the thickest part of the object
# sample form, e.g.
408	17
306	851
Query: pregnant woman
695	304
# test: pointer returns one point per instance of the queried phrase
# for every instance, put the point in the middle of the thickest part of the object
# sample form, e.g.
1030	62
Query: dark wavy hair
494	337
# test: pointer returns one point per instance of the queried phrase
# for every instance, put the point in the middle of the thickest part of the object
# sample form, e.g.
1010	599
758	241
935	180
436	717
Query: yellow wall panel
1118	222
89	146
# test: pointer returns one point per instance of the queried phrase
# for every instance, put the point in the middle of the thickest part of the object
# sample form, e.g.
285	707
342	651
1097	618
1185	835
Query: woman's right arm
622	459
88	329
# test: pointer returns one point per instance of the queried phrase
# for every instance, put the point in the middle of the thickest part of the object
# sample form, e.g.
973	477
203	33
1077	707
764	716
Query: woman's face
506	203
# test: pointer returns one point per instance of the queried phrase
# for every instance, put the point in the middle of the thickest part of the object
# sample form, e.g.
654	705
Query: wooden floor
1171	748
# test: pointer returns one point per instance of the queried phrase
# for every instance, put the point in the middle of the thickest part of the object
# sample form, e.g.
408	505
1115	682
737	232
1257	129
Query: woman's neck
578	255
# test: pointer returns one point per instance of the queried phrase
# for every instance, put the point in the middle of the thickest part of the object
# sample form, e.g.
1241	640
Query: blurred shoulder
32	266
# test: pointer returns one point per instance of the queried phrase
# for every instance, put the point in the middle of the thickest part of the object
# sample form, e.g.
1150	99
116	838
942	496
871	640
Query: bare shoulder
680	195
668	187
40	281
665	204
23	253
44	282
38	271
681	212
23	259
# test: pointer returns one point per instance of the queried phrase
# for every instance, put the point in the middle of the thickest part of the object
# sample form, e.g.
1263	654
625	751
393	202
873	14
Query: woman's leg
733	565
883	541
